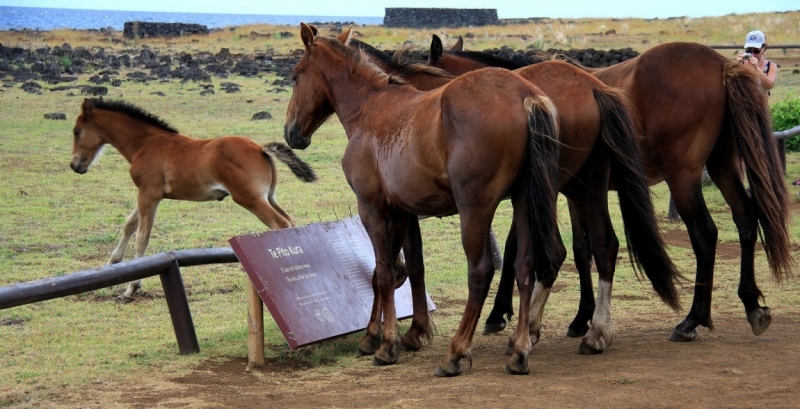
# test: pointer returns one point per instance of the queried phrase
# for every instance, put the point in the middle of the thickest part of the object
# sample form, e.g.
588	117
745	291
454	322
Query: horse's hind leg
475	225
593	214
260	206
503	308
582	253
687	194
725	174
276	206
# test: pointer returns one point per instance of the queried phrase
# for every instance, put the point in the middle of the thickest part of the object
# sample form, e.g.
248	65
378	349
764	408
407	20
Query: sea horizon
45	19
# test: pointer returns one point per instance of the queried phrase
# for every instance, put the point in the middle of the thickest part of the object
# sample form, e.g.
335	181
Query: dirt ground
725	368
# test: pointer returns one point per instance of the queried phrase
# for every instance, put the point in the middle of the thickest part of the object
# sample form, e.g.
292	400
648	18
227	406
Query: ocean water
48	19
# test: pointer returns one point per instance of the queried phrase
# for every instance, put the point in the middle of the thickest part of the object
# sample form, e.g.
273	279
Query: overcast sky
375	8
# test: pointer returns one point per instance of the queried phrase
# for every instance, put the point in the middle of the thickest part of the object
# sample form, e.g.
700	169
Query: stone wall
141	29
436	17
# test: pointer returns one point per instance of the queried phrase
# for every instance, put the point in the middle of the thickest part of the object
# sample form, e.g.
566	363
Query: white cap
754	39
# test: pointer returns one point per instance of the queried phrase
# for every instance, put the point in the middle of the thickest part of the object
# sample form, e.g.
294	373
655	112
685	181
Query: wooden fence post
255	327
178	305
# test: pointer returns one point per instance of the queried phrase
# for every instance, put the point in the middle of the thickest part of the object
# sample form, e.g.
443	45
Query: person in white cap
755	45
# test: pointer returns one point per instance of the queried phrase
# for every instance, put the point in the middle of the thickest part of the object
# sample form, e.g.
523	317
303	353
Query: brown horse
698	109
461	148
167	165
596	134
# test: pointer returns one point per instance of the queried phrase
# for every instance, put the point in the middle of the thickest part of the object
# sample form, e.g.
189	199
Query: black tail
750	121
542	188
646	248
286	155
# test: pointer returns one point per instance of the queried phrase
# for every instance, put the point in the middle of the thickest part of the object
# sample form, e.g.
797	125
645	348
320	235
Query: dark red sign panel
316	280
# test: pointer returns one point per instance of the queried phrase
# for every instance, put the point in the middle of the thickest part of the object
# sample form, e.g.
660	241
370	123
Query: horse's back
680	97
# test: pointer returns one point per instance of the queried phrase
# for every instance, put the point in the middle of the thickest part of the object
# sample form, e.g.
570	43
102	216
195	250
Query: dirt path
727	367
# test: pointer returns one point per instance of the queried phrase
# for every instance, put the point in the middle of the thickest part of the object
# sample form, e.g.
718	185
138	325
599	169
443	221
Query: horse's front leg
147	212
372	338
130	226
383	231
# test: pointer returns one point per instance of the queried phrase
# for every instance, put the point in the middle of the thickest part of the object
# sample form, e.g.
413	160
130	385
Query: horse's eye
76	133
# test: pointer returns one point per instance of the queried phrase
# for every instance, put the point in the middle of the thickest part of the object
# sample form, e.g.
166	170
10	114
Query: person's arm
769	79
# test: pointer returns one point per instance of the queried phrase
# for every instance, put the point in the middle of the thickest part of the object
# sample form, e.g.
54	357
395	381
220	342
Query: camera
746	56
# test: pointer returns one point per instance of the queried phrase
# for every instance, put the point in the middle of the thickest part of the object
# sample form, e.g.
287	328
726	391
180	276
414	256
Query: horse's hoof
493	327
591	347
368	345
124	299
517	365
386	355
382	362
678	336
411	345
759	320
448	370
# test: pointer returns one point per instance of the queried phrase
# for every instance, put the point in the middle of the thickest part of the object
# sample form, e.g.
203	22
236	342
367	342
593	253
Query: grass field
55	221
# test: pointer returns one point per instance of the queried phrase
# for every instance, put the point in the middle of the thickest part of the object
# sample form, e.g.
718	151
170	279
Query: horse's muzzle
294	137
79	167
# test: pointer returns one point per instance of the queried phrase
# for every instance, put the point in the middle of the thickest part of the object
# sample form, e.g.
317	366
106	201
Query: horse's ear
87	106
344	38
459	45
307	33
436	50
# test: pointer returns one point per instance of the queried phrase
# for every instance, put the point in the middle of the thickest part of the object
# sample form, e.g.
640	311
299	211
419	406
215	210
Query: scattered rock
262	115
207	92
95	91
159	93
56	116
32	87
230	87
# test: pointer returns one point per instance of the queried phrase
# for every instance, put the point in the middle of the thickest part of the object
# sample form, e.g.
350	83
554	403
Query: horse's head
88	139
311	102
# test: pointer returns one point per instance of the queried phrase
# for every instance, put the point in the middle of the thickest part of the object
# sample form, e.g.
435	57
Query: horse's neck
351	97
125	134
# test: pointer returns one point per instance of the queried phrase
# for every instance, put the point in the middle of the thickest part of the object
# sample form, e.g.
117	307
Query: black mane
372	51
404	67
133	111
489	59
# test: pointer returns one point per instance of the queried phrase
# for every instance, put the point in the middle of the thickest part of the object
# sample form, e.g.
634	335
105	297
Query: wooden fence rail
784	47
166	265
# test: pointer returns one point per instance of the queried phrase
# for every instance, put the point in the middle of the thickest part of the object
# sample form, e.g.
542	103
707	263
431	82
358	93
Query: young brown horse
597	135
459	149
167	165
709	112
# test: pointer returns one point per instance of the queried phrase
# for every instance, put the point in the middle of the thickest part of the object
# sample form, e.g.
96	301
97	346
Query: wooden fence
166	265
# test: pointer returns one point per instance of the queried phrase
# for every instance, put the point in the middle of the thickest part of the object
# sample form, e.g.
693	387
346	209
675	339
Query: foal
167	165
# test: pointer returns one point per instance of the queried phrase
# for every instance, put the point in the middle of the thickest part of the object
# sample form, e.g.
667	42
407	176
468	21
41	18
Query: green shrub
786	115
